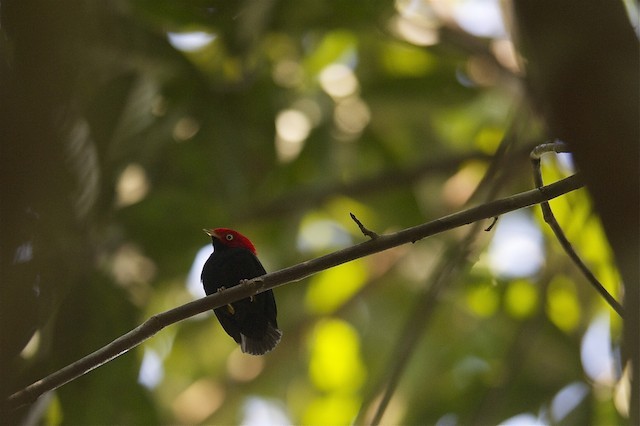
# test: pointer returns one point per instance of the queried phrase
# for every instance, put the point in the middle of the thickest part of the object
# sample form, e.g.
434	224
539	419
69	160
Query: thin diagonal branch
550	219
291	274
449	267
422	312
384	181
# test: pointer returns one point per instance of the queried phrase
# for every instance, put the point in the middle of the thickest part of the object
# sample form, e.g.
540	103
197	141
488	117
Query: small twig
367	232
493	223
550	219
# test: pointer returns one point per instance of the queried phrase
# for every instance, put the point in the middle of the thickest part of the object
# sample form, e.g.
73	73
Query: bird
251	322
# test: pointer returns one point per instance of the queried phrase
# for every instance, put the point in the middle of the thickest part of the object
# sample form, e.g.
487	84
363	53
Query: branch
291	274
365	231
449	267
404	347
386	180
550	219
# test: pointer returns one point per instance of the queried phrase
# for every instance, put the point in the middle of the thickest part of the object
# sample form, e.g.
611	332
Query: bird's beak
212	233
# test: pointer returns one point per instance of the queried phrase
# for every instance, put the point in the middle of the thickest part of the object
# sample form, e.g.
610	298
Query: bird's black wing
254	318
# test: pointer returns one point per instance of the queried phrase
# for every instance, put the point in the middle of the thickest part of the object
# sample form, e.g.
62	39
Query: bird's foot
230	307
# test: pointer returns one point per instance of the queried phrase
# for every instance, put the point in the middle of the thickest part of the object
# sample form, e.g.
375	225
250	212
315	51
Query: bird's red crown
231	238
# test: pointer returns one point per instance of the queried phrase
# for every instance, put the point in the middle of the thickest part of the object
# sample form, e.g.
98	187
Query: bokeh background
130	125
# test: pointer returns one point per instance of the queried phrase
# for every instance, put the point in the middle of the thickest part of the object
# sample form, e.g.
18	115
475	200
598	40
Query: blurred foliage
119	144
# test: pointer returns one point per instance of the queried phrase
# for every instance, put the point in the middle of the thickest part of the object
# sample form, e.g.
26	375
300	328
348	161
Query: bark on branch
294	273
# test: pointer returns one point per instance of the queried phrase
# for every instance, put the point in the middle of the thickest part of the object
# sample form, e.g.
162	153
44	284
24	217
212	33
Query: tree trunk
582	64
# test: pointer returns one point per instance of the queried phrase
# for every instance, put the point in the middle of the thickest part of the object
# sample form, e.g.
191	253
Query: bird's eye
229	237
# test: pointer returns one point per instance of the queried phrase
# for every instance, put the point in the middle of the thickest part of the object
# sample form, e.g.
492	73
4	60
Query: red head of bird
231	238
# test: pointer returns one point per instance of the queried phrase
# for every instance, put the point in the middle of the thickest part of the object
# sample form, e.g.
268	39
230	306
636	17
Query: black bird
251	321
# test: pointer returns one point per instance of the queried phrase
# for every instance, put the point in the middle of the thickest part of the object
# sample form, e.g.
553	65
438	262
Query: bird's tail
263	344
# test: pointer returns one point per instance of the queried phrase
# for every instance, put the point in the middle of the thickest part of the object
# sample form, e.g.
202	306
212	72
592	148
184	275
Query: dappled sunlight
335	363
396	409
332	409
131	128
293	126
185	129
351	116
193	282
190	41
488	139
481	71
469	370
329	289
258	411
198	401
242	367
402	60
32	347
159	106
524	419
317	234
133	185
416	22
622	392
482	300
482	18
288	73
311	109
416	263
563	307
292	129
151	369
516	249
596	354
338	80
335	369
567	399
459	187
134	271
505	53
521	299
